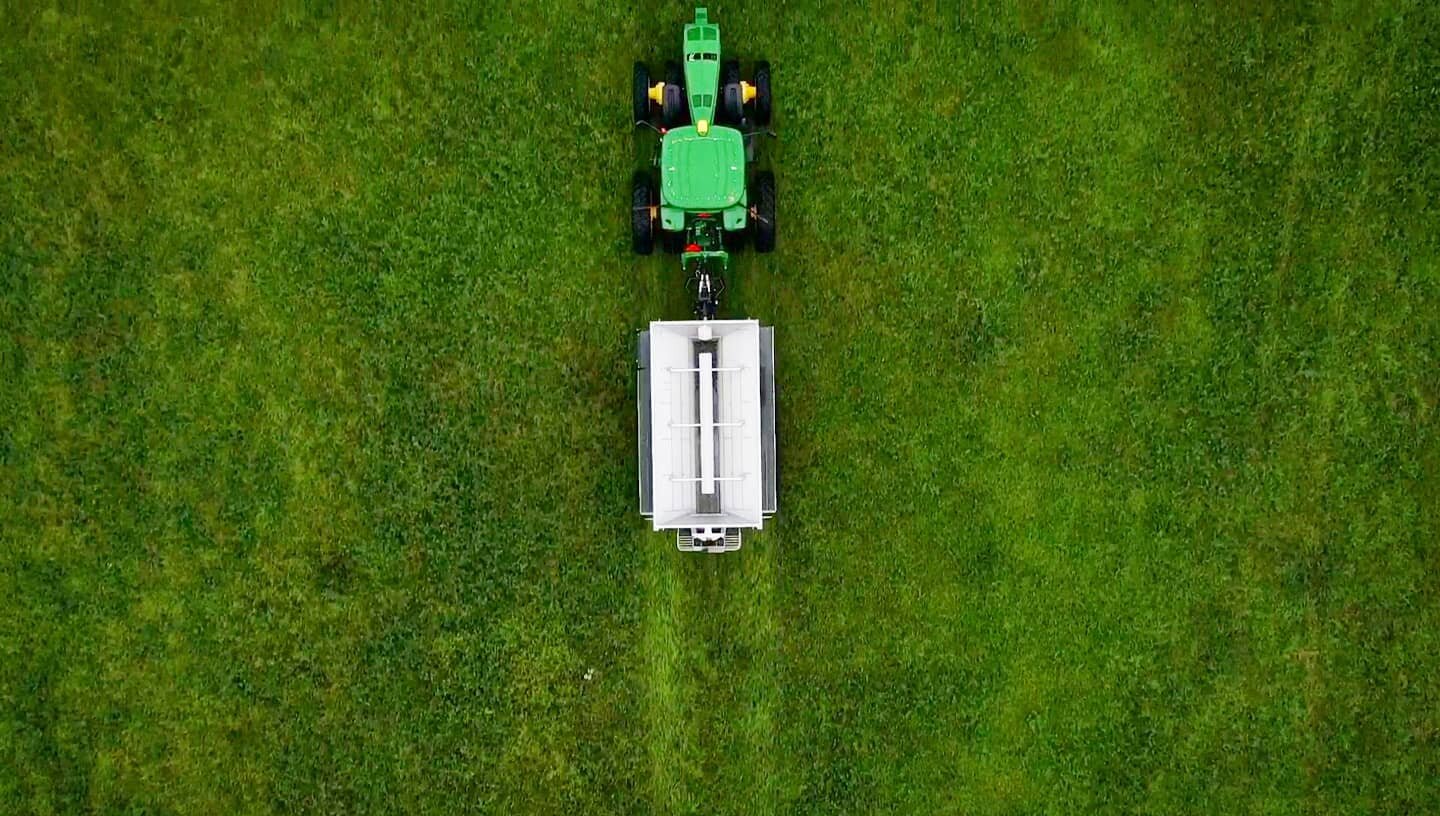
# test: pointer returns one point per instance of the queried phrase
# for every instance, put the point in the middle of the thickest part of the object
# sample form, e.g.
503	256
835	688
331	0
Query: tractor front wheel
732	95
762	93
641	94
674	110
642	213
762	211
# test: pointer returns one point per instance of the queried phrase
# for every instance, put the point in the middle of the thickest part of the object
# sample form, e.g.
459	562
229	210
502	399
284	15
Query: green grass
1108	350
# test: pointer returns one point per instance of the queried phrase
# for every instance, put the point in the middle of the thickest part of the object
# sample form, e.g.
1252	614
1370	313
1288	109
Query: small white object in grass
589	675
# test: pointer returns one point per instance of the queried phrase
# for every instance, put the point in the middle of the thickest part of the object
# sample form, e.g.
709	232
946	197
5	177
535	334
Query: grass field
1109	355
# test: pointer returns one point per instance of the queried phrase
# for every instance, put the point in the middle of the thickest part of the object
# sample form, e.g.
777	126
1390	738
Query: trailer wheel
732	97
674	111
762	93
642	213
641	94
762	211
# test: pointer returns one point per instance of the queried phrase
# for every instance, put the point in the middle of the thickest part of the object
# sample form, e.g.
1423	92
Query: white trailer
706	397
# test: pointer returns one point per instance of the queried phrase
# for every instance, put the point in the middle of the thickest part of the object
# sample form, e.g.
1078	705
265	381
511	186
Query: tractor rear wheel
762	211
641	94
732	96
674	111
734	241
762	93
642	213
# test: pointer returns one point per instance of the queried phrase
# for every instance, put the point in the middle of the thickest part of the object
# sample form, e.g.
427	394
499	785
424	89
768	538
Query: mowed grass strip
671	698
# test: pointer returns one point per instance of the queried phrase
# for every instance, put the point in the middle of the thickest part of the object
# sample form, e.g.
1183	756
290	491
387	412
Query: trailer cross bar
712	478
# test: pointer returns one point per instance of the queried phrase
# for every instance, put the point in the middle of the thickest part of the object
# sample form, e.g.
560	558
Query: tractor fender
735	217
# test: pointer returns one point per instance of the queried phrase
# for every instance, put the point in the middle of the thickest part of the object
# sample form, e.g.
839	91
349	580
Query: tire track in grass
668	705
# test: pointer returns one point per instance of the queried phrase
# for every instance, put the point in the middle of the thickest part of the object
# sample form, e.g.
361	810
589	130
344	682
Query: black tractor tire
641	93
642	217
672	242
762	203
762	107
674	111
732	96
734	240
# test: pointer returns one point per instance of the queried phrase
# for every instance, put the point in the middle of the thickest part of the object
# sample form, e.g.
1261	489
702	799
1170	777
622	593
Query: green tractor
709	199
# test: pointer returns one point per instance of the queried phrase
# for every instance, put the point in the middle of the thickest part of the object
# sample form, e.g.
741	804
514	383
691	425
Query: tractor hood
699	173
702	68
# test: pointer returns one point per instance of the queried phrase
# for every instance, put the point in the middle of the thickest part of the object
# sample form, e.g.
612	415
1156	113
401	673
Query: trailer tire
642	219
763	214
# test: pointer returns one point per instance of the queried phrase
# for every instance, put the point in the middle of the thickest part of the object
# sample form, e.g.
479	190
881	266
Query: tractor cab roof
702	172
